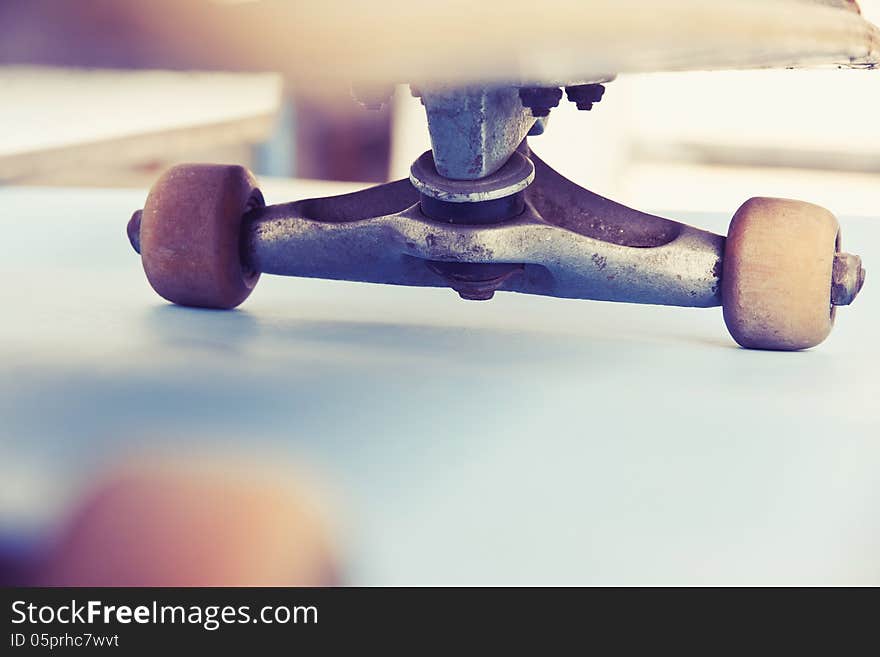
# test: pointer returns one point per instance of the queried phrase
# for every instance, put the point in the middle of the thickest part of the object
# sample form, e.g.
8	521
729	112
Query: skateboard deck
461	41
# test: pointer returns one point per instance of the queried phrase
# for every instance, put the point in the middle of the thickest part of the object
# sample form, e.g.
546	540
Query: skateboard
481	213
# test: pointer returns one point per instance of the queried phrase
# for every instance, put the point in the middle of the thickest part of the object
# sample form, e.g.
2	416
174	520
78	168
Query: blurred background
683	141
86	112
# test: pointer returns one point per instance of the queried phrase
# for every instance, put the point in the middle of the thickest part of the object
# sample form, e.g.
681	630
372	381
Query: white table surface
62	119
521	441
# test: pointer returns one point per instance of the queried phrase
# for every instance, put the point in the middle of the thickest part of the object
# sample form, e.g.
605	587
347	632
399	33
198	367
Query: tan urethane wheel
776	280
190	233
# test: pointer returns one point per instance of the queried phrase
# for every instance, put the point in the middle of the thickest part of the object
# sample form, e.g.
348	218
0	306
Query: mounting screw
585	95
540	99
847	278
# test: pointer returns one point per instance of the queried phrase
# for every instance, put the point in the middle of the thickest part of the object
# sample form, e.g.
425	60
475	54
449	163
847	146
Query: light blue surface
522	441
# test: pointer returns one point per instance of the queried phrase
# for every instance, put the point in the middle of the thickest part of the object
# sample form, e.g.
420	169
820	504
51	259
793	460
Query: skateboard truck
480	213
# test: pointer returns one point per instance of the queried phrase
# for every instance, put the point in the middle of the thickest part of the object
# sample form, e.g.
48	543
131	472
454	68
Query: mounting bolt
585	95
540	99
847	278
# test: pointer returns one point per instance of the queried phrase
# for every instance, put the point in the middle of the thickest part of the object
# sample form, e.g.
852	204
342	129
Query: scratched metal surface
525	440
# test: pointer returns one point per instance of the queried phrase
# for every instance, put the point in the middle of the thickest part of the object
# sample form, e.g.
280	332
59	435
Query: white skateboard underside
556	40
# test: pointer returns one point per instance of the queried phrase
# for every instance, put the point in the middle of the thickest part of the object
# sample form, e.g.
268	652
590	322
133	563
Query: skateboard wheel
776	279
190	235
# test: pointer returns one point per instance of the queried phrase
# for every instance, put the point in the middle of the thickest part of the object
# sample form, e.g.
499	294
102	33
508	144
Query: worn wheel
776	281
190	235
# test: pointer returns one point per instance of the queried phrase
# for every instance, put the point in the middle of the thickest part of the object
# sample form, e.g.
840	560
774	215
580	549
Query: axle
526	255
